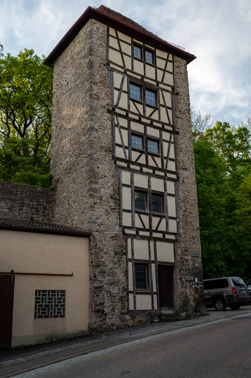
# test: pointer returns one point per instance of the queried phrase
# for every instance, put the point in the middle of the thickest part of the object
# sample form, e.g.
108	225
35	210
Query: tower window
135	92
137	142
150	97
142	276
149	56
137	52
157	203
142	53
140	199
153	146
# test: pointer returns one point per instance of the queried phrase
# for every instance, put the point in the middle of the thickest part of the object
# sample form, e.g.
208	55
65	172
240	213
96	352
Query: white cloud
217	32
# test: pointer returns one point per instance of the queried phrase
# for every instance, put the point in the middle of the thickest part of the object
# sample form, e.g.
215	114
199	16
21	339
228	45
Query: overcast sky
218	32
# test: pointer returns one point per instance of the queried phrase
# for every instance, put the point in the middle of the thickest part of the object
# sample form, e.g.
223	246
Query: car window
237	281
221	284
208	285
216	284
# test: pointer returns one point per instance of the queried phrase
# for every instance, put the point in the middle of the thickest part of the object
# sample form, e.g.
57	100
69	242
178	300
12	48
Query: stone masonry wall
85	179
26	202
190	293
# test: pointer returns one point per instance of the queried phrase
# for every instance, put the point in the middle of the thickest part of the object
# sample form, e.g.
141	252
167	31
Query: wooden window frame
147	50
146	209
161	195
158	147
143	88
142	139
143	53
145	140
147	287
141	91
155	97
140	47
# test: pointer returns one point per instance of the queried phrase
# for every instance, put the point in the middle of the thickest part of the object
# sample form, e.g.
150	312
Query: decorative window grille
49	304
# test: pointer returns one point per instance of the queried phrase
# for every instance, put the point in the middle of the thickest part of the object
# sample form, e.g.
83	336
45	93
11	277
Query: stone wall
26	202
188	251
85	178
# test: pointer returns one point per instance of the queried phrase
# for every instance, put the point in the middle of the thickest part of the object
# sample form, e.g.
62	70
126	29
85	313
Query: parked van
225	292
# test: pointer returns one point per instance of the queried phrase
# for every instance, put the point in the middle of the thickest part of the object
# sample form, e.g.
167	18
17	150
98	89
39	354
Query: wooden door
165	275
6	309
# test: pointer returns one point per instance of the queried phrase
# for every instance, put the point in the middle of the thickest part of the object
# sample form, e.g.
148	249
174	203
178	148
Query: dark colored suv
225	292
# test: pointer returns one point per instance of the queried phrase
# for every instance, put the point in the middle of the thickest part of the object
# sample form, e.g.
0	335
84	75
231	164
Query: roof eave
120	25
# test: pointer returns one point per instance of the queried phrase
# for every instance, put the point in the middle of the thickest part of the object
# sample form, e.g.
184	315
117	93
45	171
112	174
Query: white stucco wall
53	256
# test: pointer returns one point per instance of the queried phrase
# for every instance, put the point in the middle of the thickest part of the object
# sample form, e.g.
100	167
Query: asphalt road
215	350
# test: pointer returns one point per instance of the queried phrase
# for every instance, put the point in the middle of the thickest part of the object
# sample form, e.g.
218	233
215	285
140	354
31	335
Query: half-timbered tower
123	168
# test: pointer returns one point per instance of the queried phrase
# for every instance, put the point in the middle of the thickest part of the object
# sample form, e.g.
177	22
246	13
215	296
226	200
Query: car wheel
235	306
220	304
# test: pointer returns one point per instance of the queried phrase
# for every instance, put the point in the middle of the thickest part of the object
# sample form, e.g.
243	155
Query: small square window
141	276
150	97
157	203
137	142
149	56
140	200
137	52
135	92
153	146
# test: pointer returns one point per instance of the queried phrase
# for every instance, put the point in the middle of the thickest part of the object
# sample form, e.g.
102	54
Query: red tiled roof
122	23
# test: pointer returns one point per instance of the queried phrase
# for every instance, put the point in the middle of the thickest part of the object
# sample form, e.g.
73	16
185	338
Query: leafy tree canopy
223	175
25	119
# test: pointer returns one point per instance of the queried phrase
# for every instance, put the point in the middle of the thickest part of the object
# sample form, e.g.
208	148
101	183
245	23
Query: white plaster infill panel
165	252
138	67
143	302
171	206
150	71
157	184
126	198
127	219
131	303
126	177
141	250
141	181
115	57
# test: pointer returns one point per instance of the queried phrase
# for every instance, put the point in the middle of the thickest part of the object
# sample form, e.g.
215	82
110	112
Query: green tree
222	162
211	178
25	119
232	143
